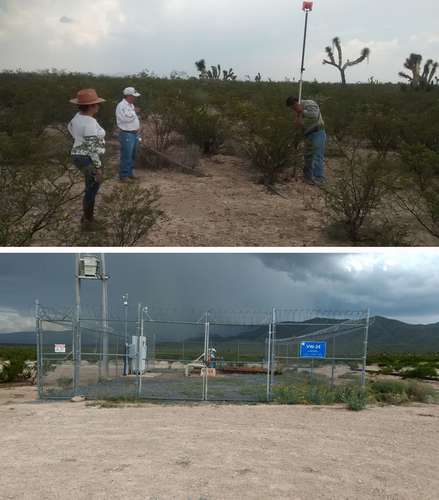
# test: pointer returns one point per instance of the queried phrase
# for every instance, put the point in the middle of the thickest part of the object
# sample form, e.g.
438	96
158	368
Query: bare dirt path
67	450
227	207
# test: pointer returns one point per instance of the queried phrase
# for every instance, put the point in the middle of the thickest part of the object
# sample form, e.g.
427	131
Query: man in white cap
129	125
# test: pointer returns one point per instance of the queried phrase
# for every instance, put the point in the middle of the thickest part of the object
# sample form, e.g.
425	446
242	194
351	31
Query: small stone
78	399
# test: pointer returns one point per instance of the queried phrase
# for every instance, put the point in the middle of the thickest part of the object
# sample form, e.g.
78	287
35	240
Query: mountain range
385	335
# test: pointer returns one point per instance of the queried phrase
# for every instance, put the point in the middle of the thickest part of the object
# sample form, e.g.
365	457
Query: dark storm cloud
398	284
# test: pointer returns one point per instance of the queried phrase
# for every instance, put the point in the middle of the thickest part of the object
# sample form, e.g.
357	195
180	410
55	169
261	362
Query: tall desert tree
339	64
418	79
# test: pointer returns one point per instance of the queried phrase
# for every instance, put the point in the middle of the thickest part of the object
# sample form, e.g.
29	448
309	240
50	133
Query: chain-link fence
190	355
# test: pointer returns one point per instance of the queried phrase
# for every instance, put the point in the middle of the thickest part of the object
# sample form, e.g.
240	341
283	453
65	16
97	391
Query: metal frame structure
282	327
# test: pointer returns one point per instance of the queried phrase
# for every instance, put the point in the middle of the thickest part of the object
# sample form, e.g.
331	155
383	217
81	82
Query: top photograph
192	123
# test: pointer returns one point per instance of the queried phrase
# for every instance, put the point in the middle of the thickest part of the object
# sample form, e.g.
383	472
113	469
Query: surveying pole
307	8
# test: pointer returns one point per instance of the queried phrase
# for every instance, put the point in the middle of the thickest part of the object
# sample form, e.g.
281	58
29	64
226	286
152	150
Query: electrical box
90	267
137	360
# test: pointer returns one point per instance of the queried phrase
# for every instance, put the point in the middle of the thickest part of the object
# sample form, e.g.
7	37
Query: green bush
421	371
422	393
355	397
17	357
203	126
390	391
356	193
271	143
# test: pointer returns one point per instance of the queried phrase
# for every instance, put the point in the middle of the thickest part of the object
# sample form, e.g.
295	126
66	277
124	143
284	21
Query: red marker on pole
307	8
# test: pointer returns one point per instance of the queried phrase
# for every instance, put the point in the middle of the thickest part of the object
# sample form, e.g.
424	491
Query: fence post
77	352
333	363
366	340
39	350
273	350
269	362
206	350
139	331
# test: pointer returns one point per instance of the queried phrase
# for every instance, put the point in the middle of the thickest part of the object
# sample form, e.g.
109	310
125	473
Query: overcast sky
400	284
127	36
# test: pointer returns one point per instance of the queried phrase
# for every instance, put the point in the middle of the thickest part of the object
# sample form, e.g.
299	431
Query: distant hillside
385	335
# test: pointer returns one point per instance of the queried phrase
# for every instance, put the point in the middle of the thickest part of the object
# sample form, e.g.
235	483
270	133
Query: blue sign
313	349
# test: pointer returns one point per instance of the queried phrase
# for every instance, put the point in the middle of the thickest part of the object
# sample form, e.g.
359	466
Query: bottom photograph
216	362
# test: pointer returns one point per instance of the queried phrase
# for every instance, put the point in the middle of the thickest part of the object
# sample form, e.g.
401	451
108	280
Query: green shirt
312	117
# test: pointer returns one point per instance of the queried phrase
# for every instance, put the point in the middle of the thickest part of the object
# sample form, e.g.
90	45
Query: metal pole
77	332
104	315
366	340
270	332
206	351
142	324
139	326
333	362
273	350
302	68
125	363
38	340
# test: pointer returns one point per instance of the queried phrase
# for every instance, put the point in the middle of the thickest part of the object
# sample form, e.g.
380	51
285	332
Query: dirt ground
75	450
228	208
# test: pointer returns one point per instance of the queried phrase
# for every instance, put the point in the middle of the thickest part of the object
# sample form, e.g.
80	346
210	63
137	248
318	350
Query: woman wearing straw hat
87	149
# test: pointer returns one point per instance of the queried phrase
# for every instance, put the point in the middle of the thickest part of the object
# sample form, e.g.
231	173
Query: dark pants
85	165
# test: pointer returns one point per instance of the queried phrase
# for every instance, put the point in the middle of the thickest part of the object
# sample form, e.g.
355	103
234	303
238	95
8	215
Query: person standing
129	126
309	118
88	147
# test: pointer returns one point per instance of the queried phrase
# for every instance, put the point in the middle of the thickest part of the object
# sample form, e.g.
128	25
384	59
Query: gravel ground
73	450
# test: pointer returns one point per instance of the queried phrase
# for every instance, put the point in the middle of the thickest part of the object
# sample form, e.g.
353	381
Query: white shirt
126	116
89	137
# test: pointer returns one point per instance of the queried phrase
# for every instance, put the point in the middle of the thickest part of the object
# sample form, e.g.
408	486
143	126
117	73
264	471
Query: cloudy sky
127	36
402	284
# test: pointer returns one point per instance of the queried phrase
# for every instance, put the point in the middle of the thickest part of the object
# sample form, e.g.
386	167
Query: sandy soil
72	450
227	207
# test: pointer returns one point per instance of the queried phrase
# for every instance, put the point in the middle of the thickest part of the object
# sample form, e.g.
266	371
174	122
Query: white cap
131	91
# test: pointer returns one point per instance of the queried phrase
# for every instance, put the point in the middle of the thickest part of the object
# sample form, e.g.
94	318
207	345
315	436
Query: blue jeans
315	145
128	150
85	165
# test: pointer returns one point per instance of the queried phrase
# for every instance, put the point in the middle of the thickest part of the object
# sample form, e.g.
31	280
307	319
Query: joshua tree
418	79
342	67
214	73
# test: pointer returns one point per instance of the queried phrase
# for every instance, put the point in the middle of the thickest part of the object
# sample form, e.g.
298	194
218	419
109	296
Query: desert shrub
271	142
421	371
289	395
382	128
418	185
37	184
202	125
128	214
421	393
390	391
356	192
13	362
354	396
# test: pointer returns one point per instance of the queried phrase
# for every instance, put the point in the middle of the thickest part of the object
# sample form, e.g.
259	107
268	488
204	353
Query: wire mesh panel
104	367
237	362
317	349
174	360
56	359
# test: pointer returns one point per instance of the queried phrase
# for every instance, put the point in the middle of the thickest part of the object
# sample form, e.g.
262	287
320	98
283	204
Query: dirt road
72	450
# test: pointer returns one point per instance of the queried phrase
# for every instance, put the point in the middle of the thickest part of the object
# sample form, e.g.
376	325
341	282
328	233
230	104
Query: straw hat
87	97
